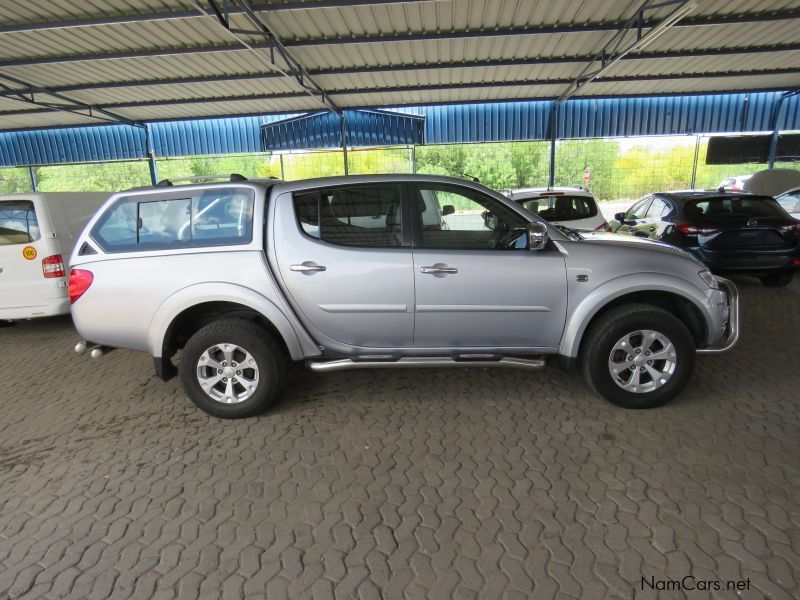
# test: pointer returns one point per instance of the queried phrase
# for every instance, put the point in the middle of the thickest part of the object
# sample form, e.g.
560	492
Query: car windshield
733	206
561	207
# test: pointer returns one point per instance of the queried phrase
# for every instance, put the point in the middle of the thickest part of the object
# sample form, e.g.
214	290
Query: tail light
53	266
79	282
604	226
692	230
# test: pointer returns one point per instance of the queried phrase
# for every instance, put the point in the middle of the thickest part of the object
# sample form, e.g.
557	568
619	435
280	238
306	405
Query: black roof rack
230	177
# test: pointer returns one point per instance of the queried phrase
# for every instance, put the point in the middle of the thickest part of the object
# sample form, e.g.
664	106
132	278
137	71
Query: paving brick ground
417	484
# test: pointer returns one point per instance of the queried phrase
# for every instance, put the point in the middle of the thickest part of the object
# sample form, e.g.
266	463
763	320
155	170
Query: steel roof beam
289	67
728	51
74	107
617	48
267	7
365	70
424	88
186	14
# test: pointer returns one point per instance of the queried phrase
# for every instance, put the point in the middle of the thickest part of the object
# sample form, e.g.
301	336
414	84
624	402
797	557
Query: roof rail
230	177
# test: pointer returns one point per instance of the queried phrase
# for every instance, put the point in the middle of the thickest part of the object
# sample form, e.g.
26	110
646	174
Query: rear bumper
748	263
728	336
52	308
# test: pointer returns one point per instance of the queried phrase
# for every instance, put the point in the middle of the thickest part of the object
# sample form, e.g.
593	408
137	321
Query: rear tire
779	280
615	357
240	365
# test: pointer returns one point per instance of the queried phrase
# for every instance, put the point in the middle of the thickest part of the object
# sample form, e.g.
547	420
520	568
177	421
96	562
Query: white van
37	233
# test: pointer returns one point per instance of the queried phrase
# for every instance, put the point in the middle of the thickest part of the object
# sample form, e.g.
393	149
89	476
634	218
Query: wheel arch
689	306
191	308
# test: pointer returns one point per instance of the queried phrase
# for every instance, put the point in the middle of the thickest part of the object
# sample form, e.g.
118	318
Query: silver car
240	277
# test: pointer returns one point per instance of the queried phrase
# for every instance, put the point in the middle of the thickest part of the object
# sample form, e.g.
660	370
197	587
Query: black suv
730	232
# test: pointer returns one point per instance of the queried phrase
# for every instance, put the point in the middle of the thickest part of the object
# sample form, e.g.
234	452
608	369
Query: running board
424	361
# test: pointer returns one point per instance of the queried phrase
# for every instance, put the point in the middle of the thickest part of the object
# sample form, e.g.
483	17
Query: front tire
779	280
232	369
637	356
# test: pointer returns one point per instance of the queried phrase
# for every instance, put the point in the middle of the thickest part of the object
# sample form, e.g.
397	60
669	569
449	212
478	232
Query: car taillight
53	266
692	230
604	226
79	282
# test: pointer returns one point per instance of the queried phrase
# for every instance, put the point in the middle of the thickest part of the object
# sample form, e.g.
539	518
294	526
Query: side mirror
537	235
448	209
620	216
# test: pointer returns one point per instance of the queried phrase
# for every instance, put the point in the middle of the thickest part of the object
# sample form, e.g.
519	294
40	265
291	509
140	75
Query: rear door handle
307	267
433	270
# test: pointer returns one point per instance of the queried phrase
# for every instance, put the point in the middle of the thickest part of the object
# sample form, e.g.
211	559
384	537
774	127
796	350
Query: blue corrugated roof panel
486	122
71	145
209	136
363	128
490	122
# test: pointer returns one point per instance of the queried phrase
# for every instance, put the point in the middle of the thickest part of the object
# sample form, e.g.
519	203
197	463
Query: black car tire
779	280
609	328
261	346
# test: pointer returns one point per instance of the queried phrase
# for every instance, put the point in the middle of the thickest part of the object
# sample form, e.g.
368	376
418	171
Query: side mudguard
298	342
582	314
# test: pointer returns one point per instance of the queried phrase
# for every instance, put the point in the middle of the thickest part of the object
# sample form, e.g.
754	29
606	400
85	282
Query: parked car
767	182
343	273
575	208
729	232
790	202
36	232
733	184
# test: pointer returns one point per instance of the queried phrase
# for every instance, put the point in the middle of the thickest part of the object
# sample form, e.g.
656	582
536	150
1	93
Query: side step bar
423	361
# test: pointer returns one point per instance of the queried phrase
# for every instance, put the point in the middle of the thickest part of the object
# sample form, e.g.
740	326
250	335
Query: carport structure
80	63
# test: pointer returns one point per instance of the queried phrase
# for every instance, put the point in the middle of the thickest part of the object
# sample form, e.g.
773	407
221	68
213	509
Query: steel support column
344	145
774	125
32	175
553	135
151	155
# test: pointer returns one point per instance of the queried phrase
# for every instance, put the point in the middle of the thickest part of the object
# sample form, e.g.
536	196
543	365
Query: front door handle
434	269
307	267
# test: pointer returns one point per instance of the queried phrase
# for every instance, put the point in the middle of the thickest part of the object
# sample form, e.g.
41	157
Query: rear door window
562	207
368	216
18	223
213	217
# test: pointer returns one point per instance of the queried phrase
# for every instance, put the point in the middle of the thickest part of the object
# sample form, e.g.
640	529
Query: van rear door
22	248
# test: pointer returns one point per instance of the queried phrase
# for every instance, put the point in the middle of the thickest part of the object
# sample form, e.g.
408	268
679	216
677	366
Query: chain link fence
614	169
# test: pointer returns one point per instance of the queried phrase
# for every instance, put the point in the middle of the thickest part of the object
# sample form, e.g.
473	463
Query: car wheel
637	356
779	280
232	369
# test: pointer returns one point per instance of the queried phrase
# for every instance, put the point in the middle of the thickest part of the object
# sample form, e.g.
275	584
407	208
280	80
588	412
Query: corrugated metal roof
161	59
362	128
79	144
578	118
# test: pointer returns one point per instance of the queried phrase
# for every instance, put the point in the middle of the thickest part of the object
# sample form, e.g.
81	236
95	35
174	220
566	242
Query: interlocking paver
414	484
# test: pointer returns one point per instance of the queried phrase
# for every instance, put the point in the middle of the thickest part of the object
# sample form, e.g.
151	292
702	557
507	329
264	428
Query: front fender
300	345
584	312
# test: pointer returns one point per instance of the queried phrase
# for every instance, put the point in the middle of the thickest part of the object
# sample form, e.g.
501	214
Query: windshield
732	207
562	207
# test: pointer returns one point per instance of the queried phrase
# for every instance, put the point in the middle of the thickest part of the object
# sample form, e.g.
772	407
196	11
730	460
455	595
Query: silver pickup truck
241	277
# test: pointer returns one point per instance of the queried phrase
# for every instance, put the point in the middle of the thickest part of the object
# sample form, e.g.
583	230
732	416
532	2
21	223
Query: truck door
477	284
345	260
